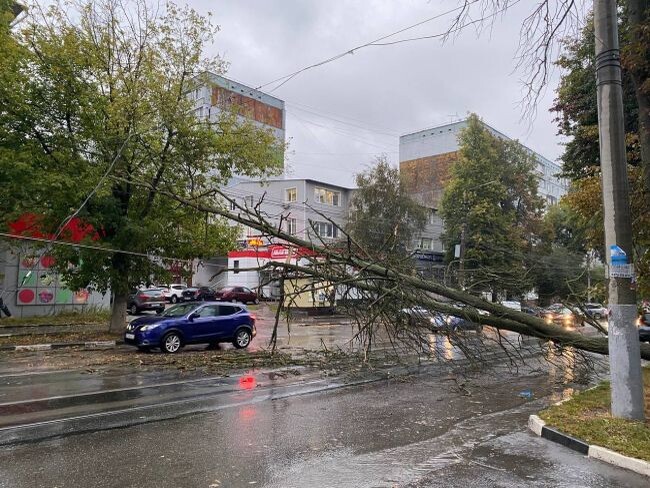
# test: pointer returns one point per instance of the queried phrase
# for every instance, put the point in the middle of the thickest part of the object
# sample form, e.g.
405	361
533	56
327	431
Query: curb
62	345
538	426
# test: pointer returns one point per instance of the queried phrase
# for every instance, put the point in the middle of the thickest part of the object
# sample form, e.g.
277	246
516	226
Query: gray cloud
379	92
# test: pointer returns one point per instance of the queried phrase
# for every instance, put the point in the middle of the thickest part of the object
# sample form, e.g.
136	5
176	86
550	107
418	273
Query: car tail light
142	297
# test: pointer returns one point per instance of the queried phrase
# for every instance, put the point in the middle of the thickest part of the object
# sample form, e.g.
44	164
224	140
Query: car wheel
144	348
174	299
171	343
133	309
597	316
242	339
160	310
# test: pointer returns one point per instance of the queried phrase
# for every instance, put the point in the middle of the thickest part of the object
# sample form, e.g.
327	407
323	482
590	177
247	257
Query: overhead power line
285	79
43	240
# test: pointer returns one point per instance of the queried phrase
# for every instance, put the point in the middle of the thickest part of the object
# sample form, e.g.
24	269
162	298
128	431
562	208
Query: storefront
246	267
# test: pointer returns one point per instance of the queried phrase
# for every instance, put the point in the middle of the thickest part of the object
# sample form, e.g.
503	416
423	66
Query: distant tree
490	206
565	228
94	98
384	220
577	119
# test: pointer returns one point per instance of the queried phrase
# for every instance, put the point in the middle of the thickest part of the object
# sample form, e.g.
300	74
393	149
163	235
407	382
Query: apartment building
220	93
311	210
425	157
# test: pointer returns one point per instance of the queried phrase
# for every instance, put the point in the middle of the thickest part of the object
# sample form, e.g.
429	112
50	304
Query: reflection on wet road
420	431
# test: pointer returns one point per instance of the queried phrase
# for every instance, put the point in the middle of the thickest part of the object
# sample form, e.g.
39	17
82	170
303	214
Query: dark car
202	293
531	310
644	327
193	323
437	321
237	294
152	299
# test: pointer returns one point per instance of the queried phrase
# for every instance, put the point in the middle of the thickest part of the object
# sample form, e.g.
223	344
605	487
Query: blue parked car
193	323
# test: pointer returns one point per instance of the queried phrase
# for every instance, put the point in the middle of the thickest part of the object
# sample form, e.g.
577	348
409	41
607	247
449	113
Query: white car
173	293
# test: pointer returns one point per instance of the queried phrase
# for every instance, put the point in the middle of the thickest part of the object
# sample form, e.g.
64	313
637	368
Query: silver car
596	311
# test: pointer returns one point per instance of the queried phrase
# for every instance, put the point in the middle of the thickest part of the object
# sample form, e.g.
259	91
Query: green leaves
491	198
96	97
384	220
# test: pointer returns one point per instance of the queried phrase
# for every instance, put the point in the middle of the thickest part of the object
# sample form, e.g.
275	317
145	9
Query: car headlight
145	328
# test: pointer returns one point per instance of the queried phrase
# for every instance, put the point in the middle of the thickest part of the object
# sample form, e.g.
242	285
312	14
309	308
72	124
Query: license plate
129	336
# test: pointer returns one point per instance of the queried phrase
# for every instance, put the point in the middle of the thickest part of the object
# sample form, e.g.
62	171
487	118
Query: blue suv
193	323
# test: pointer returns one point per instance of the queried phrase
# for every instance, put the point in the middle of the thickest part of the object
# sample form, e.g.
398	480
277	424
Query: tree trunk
120	292
118	312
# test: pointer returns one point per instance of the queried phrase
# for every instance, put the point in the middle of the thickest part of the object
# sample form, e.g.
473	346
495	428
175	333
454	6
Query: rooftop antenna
453	118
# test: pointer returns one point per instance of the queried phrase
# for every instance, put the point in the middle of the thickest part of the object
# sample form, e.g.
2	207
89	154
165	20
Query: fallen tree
346	263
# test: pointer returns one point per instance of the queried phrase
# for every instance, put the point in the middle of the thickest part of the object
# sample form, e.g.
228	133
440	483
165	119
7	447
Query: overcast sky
343	114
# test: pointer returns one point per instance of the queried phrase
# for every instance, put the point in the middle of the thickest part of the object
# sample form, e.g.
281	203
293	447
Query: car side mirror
193	316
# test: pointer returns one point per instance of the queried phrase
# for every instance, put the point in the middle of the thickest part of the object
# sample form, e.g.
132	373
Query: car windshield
179	310
152	293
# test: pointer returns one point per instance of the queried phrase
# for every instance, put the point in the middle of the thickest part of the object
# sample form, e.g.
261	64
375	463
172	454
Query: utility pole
589	276
461	263
624	352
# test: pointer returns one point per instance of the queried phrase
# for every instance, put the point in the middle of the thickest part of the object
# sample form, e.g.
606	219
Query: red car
237	294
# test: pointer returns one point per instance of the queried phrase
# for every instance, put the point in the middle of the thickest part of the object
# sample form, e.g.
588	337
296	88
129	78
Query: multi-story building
311	210
210	100
425	157
221	93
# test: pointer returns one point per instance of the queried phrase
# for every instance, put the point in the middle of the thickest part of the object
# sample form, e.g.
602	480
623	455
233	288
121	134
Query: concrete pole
624	352
461	264
589	276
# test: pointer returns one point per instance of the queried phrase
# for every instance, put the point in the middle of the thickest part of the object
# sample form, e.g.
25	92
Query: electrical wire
285	79
43	240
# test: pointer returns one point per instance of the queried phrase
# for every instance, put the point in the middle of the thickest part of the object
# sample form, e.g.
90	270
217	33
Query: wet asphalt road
427	430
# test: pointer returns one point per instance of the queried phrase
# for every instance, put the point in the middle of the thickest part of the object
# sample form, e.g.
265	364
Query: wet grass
95	317
587	416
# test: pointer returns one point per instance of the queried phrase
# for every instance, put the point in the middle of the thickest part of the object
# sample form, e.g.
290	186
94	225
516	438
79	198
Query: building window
233	205
291	195
432	217
235	265
551	200
326	230
292	226
327	197
248	201
426	243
